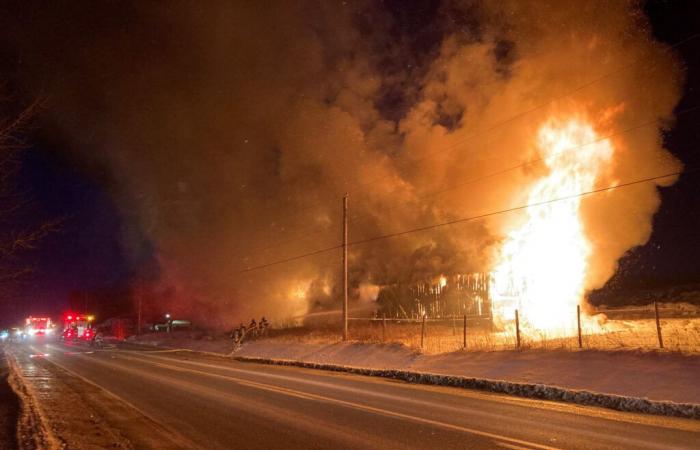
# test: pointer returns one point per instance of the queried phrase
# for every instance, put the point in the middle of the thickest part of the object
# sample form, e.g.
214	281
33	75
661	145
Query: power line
521	114
508	120
354	219
536	160
513	118
293	258
518	208
471	218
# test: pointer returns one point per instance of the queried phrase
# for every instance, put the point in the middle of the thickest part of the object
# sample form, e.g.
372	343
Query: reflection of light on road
39	355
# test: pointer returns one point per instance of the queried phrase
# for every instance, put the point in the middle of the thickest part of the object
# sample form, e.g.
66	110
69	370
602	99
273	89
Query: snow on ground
9	408
188	340
656	375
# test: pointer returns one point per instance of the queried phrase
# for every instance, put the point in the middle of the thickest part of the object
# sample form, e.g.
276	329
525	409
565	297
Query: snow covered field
679	335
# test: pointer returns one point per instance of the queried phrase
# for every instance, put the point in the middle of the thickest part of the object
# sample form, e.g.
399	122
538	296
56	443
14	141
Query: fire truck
77	326
38	326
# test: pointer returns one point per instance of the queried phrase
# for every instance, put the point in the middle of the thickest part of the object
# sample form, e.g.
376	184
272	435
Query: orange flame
541	267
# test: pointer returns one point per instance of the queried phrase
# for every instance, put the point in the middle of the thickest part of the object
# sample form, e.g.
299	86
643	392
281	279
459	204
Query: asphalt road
212	403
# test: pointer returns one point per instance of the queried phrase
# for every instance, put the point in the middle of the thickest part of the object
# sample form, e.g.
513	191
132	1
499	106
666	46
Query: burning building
446	296
541	265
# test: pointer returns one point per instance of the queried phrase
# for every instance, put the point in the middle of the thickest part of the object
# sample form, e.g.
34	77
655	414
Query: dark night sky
87	254
671	255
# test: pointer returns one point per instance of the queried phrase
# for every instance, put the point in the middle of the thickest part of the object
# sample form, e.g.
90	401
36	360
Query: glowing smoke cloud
226	128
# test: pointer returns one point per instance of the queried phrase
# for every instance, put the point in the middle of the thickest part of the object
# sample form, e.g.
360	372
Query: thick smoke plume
228	133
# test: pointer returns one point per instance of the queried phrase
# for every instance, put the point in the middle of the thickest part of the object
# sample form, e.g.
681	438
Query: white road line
372	409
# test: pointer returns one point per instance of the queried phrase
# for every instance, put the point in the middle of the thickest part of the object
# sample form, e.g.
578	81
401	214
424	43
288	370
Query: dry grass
681	335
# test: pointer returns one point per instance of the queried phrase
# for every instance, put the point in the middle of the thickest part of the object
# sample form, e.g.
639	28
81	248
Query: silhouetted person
264	324
253	327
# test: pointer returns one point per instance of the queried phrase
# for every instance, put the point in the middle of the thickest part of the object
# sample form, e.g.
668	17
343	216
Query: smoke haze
228	133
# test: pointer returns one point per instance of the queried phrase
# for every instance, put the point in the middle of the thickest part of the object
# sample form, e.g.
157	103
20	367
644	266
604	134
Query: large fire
542	265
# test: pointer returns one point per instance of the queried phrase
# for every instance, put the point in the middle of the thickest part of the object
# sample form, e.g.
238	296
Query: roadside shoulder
33	430
9	407
79	414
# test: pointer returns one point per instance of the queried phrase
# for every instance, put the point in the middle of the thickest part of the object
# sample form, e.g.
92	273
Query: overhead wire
493	127
354	219
535	160
471	218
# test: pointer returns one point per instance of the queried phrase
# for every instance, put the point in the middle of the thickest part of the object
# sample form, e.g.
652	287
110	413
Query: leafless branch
14	241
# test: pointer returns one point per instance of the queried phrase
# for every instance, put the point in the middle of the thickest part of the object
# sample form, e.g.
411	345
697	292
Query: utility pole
384	327
578	321
658	325
464	333
517	330
345	267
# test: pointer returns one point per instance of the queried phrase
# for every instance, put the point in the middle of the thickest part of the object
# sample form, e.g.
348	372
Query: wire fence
668	327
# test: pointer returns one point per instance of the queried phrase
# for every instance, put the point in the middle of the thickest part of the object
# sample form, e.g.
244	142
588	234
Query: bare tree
16	238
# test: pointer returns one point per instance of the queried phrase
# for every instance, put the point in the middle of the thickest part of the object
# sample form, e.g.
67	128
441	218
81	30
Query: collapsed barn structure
443	297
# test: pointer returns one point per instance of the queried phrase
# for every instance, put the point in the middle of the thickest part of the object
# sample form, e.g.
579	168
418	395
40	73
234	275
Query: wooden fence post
517	330
422	332
464	333
658	325
578	321
384	328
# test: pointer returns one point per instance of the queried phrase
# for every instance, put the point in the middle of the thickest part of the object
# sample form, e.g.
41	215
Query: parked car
172	324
